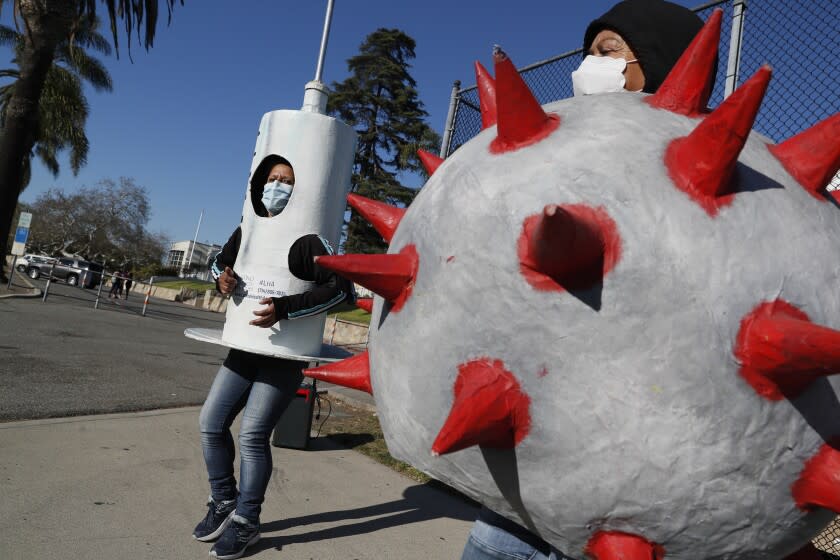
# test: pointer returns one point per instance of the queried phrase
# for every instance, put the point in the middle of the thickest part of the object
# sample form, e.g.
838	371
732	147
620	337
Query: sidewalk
20	287
133	486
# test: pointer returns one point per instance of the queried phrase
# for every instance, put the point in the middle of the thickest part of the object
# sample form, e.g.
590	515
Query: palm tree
46	24
62	109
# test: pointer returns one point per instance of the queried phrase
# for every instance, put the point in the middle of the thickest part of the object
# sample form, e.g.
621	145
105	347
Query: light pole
192	247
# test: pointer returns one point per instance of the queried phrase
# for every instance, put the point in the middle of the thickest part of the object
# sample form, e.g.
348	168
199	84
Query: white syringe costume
321	151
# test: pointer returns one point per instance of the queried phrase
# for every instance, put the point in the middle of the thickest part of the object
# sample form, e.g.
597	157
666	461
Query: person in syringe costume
279	297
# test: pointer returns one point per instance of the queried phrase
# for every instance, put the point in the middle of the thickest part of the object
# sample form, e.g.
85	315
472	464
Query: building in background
191	259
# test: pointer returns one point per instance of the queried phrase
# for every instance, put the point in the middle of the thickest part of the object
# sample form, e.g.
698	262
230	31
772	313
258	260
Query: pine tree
379	99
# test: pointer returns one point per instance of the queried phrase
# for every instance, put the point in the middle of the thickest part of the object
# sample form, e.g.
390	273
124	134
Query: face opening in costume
272	185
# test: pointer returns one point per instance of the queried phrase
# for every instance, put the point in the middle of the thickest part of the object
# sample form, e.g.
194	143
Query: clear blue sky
182	119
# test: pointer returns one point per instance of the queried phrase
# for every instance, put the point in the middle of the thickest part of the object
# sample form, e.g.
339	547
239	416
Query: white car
23	263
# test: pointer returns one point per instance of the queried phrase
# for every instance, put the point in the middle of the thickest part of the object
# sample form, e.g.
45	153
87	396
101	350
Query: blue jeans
488	542
263	387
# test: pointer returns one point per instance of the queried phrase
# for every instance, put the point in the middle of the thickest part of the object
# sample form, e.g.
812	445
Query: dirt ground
358	429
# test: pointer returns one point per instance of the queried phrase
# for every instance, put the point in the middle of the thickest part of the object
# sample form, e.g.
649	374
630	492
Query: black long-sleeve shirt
330	289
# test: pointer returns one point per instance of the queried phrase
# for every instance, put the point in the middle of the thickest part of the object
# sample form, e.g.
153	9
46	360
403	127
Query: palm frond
8	36
86	66
47	155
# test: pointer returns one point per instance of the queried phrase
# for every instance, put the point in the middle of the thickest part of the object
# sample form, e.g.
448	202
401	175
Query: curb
341	394
34	292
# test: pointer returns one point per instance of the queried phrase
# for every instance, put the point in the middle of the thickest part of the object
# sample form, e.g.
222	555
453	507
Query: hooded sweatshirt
657	31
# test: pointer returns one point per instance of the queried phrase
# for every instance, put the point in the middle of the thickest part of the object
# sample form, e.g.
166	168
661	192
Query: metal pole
148	293
319	71
332	334
11	272
733	67
195	238
99	291
450	119
49	280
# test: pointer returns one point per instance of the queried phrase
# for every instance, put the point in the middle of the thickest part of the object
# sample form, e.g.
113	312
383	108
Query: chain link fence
797	37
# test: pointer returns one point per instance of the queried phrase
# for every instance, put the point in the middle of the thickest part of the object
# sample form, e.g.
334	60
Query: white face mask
276	196
599	74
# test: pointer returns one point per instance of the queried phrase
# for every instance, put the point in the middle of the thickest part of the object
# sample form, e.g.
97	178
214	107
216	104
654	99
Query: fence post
49	280
99	291
148	293
733	67
450	119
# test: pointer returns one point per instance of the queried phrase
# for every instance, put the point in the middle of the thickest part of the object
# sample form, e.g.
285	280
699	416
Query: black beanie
657	31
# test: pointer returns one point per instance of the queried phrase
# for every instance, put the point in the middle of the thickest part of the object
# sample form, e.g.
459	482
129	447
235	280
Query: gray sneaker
219	516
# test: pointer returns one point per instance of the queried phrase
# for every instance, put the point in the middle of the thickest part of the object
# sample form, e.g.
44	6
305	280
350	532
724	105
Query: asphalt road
64	358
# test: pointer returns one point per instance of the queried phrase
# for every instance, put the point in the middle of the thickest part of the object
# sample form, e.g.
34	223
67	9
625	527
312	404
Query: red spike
486	95
430	161
489	409
391	276
808	552
383	217
521	120
365	303
812	157
352	372
688	86
567	247
819	483
702	164
782	352
614	545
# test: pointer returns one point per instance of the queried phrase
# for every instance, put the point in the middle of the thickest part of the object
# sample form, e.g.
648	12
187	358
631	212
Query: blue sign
21	234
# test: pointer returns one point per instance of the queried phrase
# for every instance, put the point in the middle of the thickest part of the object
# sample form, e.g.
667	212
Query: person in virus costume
631	48
259	386
610	319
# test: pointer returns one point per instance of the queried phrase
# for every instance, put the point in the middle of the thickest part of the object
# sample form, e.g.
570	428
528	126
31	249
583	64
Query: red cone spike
612	545
365	303
353	372
567	247
819	483
688	86
430	161
391	276
486	95
812	156
383	217
782	352
808	552
702	163
489	409
521	120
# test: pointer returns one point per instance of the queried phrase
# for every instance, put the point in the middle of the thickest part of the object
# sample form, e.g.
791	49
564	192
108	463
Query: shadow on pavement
422	502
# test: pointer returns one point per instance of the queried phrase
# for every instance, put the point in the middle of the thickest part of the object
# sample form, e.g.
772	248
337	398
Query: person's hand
265	316
227	281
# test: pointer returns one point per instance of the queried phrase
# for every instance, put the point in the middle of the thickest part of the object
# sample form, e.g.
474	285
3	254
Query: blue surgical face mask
276	196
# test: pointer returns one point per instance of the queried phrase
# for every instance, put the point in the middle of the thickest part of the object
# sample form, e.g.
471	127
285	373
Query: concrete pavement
133	486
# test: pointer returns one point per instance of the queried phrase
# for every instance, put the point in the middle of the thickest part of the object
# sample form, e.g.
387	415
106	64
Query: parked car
23	262
75	272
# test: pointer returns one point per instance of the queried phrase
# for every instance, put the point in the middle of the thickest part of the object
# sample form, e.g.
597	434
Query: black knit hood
259	179
657	31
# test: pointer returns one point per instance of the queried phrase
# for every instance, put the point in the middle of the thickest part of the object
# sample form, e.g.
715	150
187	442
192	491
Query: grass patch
198	285
356	316
359	429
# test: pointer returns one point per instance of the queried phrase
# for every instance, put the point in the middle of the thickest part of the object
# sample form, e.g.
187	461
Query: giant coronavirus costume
626	350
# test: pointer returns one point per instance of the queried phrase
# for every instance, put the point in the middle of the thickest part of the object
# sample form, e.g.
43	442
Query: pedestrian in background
129	280
116	285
